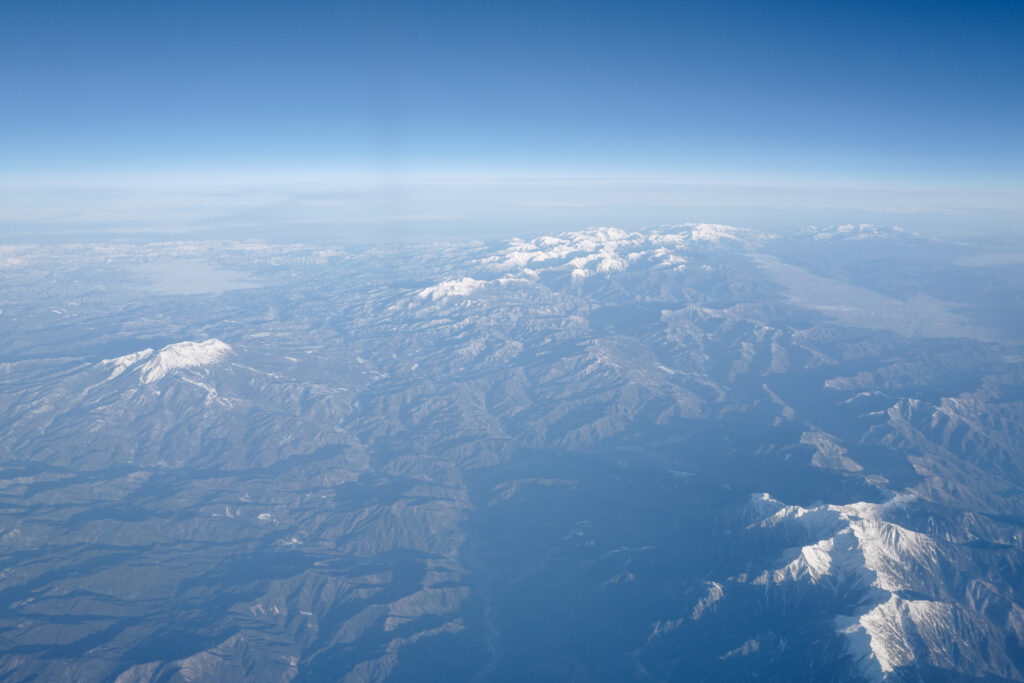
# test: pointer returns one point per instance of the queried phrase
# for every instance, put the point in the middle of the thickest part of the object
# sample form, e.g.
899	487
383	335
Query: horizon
460	119
433	208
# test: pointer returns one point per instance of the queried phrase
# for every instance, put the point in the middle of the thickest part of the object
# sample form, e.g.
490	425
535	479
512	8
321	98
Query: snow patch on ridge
713	592
828	453
122	363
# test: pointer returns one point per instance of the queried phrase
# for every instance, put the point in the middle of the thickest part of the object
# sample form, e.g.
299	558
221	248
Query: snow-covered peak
186	354
713	232
462	287
862	231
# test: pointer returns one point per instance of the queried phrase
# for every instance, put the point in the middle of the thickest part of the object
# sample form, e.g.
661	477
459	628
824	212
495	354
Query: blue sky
826	99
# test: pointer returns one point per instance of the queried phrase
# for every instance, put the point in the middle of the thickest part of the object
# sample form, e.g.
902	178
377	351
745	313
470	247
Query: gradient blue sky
838	105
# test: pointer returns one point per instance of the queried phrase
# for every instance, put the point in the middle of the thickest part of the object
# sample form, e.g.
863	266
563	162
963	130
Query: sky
479	117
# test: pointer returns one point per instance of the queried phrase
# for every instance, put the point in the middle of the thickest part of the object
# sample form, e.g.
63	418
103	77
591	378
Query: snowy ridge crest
122	363
464	287
862	231
608	250
900	572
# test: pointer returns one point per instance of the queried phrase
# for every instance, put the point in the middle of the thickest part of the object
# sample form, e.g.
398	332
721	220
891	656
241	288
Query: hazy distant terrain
692	453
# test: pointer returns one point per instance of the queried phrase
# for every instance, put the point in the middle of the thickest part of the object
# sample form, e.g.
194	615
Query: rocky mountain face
692	453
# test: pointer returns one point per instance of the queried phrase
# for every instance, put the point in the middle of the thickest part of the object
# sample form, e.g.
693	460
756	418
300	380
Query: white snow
610	250
859	546
580	254
711	232
122	363
713	592
462	287
186	354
